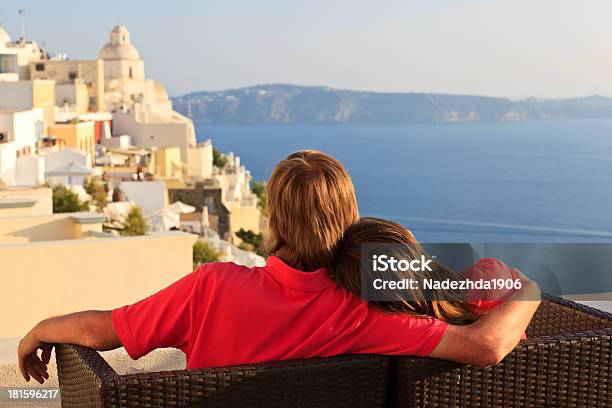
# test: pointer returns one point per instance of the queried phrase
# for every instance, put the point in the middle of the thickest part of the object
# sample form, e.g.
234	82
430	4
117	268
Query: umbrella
179	207
164	219
72	169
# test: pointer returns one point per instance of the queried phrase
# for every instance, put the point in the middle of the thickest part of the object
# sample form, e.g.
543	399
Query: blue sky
518	48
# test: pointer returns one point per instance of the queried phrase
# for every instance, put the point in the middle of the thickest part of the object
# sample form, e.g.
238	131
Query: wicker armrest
83	376
564	369
86	380
556	316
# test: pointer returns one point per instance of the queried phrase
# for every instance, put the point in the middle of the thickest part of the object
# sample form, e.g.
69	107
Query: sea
526	182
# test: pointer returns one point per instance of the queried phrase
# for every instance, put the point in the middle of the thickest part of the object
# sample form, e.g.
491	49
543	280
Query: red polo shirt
226	314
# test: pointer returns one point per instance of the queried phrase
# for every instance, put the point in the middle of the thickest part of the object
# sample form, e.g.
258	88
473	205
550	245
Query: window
26	151
7	63
39	128
40	67
72	75
210	202
131	73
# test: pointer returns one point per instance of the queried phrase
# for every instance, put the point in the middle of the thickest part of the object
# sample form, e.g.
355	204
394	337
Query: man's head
311	203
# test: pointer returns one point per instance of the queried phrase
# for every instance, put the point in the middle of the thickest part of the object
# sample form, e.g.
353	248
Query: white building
150	128
19	132
24	127
30	171
200	161
8	159
23	95
124	76
236	195
150	196
231	253
234	180
142	109
15	57
60	159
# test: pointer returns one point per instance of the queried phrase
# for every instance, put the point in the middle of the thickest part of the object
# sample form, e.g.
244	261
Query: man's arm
160	320
495	334
93	329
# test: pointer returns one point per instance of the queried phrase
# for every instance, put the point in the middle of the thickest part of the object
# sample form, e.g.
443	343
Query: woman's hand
30	363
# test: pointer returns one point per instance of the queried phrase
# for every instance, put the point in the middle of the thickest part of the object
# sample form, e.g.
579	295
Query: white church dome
4	37
119	52
119	46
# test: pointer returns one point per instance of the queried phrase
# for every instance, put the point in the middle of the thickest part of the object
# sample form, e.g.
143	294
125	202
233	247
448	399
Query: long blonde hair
347	268
311	203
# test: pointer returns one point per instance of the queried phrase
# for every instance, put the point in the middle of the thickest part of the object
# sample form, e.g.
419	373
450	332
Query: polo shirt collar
296	279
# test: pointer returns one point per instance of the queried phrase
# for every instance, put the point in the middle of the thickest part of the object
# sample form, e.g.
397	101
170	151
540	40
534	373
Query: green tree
97	190
204	252
134	223
65	200
252	240
218	159
259	189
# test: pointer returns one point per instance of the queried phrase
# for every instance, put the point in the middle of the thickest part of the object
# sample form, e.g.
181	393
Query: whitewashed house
20	129
150	196
61	159
30	171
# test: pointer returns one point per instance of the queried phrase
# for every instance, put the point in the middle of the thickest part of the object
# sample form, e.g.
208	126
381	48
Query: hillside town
97	140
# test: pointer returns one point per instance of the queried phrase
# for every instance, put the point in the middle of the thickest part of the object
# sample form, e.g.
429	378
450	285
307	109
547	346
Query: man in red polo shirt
225	314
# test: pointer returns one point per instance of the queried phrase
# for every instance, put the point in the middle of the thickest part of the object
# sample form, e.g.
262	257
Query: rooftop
24	229
16	202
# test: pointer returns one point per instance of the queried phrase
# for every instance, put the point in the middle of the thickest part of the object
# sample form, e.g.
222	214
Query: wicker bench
565	363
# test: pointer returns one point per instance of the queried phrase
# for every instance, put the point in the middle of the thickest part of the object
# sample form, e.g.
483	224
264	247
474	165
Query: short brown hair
311	203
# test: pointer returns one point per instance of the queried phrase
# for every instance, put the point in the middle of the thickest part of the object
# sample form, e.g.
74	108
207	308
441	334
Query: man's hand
93	329
494	334
30	363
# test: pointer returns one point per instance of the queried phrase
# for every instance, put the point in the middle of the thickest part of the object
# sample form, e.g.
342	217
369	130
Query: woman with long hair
347	269
455	306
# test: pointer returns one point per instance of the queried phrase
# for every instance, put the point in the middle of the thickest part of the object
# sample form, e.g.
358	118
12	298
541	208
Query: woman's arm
495	334
93	329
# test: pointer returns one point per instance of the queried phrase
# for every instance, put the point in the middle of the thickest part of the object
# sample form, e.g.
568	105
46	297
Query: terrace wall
42	279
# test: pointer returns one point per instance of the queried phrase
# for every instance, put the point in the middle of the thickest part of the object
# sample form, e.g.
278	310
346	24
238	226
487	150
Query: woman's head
347	268
311	203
